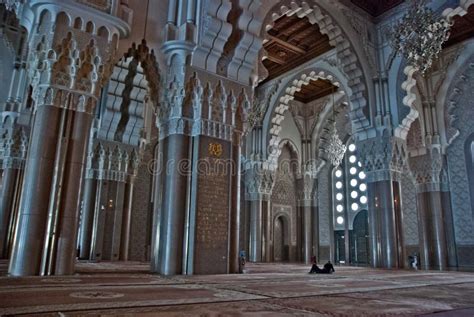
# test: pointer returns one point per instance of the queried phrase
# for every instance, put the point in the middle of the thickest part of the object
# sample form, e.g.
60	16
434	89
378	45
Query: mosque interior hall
237	158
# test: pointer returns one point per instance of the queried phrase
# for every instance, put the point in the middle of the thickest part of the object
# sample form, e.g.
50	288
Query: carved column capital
112	161
307	194
429	172
71	60
13	148
259	181
384	158
211	108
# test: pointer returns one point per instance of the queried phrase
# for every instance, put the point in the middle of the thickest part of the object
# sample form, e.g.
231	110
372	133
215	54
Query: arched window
349	189
349	199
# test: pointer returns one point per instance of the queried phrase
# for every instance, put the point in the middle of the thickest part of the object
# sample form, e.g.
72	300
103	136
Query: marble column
28	245
7	197
384	160
173	206
234	248
88	211
436	229
307	233
256	230
433	242
384	228
50	197
267	232
69	202
126	222
315	229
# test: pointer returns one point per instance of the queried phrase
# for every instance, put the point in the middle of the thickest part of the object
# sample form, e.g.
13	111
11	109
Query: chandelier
11	5
419	37
336	149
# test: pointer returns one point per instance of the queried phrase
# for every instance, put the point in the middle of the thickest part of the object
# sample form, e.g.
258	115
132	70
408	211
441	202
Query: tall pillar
28	246
175	149
259	184
267	232
383	226
307	233
127	221
66	89
70	200
384	162
234	249
87	221
306	202
7	195
14	146
434	212
256	231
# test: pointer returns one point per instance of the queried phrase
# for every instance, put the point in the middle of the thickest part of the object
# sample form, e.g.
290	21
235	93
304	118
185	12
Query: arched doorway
359	239
281	252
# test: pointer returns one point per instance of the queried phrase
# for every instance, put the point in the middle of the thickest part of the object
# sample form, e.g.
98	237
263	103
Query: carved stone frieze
68	65
112	161
197	109
13	148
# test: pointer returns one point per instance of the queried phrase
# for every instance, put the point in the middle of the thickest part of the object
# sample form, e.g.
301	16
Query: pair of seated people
328	268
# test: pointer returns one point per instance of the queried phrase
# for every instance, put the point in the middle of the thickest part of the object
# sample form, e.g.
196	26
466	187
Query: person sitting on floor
314	267
328	268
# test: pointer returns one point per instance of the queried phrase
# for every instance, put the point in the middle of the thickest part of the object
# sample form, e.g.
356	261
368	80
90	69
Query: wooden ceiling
462	29
314	90
292	42
377	7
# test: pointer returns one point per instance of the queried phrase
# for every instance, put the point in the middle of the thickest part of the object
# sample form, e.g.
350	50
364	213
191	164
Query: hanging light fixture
336	149
12	5
420	35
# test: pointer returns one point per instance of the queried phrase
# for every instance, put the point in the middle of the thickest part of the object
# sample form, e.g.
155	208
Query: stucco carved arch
296	155
282	105
443	103
410	83
346	55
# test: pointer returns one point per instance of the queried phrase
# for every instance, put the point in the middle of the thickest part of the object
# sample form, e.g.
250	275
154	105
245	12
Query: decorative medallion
215	149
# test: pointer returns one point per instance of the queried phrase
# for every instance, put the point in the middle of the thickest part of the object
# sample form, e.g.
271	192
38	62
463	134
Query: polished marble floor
119	289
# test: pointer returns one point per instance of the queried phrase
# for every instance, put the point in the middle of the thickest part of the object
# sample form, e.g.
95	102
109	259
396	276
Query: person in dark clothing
315	269
327	269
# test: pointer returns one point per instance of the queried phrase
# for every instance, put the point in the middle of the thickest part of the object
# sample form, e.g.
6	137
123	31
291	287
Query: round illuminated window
352	147
354	194
353	171
339	185
340	220
363	200
352	159
362	175
339	196
354	182
338	173
355	206
339	208
363	187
